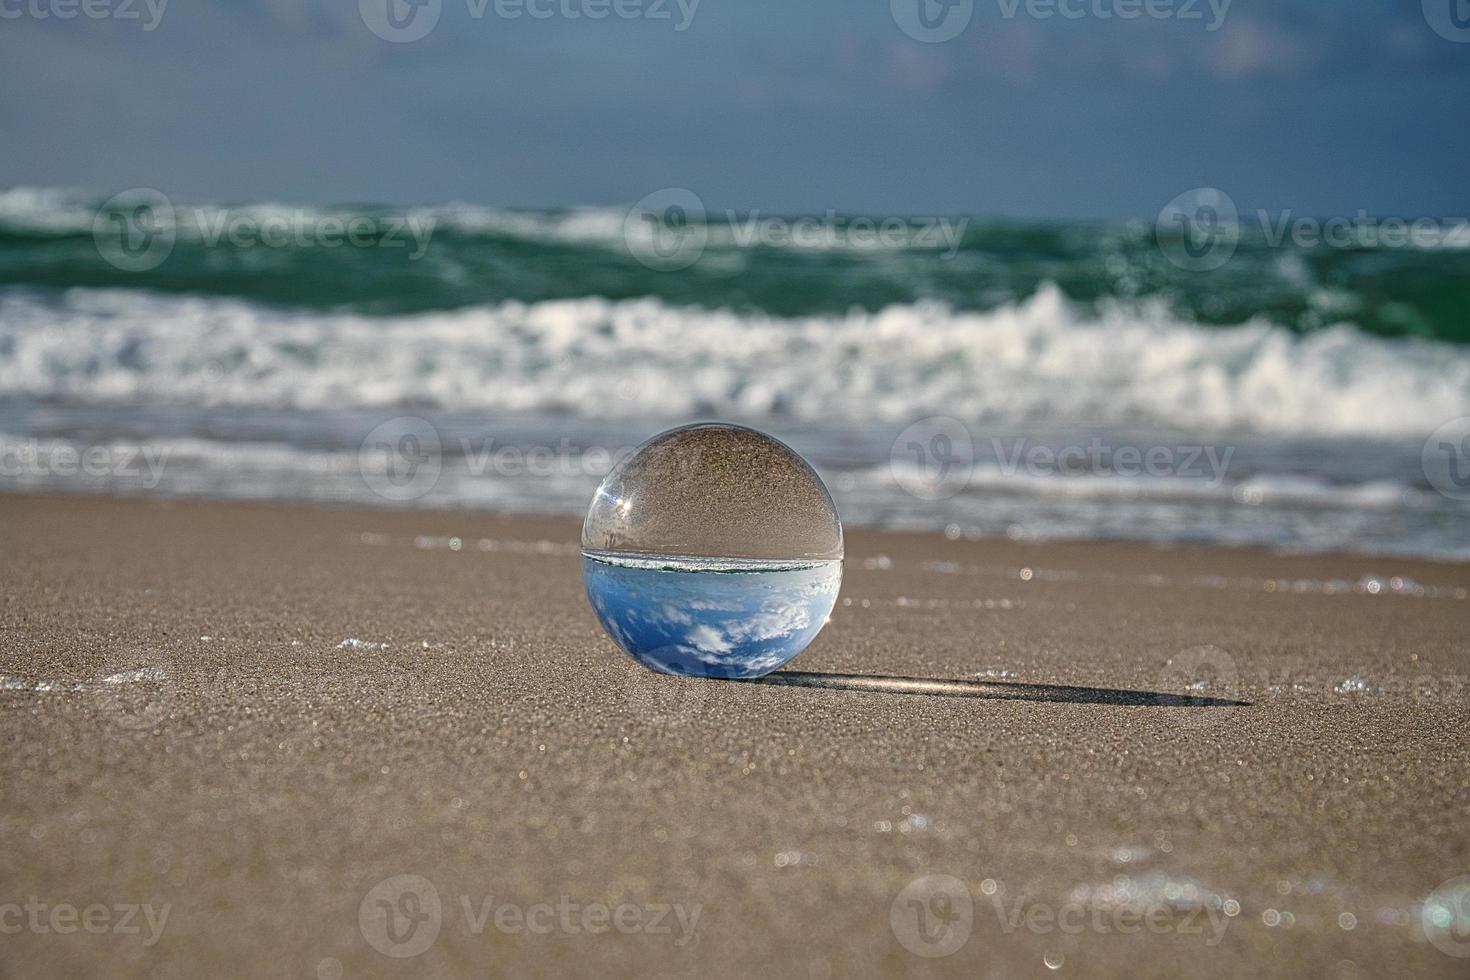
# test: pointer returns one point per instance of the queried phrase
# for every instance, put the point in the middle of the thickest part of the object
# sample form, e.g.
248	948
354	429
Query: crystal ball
713	550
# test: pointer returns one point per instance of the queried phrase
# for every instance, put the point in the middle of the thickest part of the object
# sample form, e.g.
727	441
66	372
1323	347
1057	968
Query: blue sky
795	107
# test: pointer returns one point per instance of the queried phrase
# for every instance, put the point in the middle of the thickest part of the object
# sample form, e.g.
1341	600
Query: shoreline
1133	759
471	510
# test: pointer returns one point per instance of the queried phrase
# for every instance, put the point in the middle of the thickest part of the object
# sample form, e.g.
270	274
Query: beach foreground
265	741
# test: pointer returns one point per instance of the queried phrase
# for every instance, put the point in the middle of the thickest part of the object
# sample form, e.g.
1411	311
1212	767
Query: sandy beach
252	740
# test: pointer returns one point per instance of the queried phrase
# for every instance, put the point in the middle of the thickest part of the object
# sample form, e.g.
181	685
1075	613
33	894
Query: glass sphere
714	551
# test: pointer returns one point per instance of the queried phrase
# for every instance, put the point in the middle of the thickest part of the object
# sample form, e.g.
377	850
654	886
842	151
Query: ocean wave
1039	359
1260	489
74	210
384	260
54	210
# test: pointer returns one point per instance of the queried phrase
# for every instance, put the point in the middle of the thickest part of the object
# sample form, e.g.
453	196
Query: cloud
708	640
1251	49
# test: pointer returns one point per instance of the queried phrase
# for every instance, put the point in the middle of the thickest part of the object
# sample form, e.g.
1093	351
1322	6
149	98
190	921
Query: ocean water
1285	400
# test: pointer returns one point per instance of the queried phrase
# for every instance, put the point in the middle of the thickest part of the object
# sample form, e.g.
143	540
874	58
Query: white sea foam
1256	490
50	209
693	563
1040	359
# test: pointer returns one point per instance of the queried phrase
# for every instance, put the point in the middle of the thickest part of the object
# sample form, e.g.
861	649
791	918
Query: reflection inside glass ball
714	551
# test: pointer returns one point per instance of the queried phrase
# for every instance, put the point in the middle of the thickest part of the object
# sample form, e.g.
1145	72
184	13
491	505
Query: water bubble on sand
136	675
12	683
1154	889
712	551
1358	685
354	643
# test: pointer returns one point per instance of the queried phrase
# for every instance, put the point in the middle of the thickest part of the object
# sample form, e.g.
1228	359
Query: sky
1041	109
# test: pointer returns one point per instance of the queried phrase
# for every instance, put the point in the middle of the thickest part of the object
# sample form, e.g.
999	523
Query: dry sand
332	698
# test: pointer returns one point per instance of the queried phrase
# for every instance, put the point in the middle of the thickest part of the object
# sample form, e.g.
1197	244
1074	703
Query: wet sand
246	740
